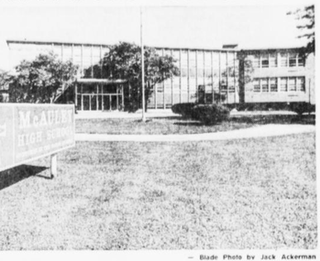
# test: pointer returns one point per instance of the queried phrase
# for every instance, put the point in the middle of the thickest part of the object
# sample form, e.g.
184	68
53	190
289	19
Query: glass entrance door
105	103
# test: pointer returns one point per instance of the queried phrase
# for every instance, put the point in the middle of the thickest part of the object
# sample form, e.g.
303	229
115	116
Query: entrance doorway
99	95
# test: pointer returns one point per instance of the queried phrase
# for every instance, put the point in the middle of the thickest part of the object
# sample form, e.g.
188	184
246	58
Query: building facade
226	75
280	75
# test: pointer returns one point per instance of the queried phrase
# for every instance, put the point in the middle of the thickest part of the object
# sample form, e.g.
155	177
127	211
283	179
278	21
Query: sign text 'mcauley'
46	118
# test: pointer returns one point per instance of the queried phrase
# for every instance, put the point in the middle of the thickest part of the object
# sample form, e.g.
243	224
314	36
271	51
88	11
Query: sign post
32	131
53	165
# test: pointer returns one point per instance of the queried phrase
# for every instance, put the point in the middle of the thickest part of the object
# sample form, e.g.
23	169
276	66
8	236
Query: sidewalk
254	132
151	113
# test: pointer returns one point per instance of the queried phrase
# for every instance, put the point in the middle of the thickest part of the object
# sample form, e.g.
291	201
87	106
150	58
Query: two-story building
227	75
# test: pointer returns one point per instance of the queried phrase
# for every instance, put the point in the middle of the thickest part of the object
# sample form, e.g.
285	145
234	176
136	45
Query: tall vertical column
72	52
220	76
212	90
101	60
180	91
197	89
91	61
122	100
188	74
227	76
76	95
97	97
164	89
204	77
81	66
81	97
61	52
171	81
234	77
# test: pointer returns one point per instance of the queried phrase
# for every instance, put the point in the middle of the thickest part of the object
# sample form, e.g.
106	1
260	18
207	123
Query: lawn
178	125
250	193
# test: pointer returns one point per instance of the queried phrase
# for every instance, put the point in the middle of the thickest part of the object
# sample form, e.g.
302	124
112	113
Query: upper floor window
284	59
265	61
271	60
291	60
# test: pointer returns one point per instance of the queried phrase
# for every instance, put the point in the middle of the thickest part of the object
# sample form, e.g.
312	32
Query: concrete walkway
254	132
162	113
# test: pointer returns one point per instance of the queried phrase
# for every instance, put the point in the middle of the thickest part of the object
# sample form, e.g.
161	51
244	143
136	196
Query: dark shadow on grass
167	118
189	124
260	119
17	174
274	119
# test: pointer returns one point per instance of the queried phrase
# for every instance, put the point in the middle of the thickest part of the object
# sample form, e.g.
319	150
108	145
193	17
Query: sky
165	24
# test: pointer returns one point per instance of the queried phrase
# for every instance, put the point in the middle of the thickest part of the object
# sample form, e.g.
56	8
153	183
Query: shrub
210	114
184	109
301	107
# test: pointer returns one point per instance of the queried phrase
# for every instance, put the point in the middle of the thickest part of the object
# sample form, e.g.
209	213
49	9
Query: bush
301	107
184	109
210	114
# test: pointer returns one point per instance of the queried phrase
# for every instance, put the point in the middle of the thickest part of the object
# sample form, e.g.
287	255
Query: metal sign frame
9	141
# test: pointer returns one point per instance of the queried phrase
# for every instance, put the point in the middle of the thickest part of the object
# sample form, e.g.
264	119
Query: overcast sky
186	24
190	26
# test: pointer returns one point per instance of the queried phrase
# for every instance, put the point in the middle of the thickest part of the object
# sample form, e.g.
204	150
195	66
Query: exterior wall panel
217	71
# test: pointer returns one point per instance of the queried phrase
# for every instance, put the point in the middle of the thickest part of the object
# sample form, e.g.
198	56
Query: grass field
250	193
178	125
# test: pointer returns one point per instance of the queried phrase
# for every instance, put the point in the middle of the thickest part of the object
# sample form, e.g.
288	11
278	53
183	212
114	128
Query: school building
228	75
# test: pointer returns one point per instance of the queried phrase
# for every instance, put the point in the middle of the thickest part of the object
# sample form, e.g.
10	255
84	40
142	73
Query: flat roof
106	45
273	48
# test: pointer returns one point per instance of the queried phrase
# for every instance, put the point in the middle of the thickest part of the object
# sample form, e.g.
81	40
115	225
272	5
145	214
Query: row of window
282	84
271	60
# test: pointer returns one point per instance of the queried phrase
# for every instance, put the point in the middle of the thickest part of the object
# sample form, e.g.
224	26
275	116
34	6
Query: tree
123	61
42	80
306	16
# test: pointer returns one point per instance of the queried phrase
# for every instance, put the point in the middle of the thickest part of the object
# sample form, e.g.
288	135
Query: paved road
254	132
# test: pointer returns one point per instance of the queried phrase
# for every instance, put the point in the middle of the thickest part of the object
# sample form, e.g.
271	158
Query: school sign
32	131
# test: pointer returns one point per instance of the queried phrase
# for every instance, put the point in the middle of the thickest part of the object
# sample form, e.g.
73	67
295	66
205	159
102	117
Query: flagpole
142	67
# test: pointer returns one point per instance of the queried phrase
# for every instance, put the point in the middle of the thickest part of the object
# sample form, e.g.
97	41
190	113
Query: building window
283	84
300	60
264	61
292	84
184	72
264	85
284	59
256	61
231	88
292	60
273	60
268	60
273	85
192	72
256	85
301	84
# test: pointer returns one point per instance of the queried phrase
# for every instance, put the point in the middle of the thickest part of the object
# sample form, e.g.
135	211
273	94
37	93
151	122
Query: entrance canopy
99	94
100	81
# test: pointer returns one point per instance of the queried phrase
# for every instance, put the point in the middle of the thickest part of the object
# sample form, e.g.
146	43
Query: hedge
210	114
184	109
